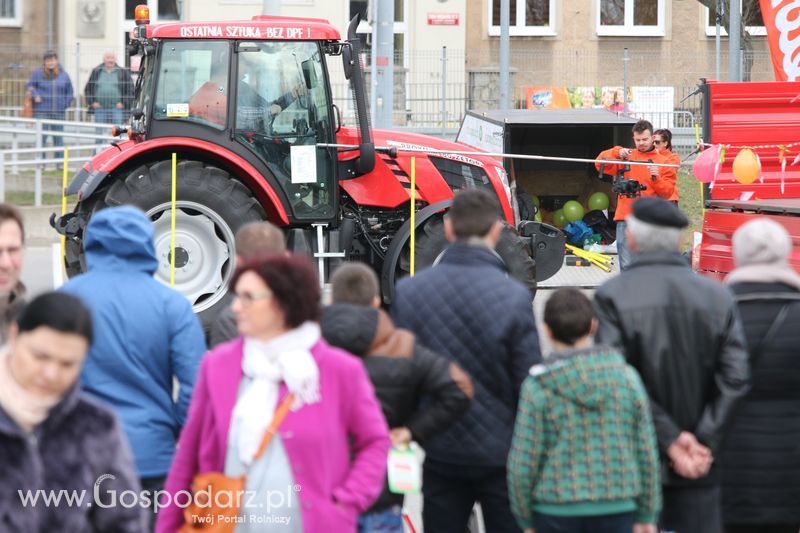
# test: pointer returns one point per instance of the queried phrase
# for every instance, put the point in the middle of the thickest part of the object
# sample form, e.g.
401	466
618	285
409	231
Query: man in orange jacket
660	181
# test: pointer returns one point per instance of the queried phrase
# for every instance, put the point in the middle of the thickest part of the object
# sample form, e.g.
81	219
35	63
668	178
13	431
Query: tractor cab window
193	82
282	102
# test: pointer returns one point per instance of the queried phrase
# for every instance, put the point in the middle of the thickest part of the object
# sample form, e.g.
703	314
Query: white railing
22	145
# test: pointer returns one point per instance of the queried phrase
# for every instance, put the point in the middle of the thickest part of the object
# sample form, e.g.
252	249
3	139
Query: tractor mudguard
94	173
521	250
399	241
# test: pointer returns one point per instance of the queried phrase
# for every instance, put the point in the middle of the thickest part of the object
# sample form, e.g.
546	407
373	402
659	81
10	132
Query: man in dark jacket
682	333
109	91
56	443
146	336
468	309
402	371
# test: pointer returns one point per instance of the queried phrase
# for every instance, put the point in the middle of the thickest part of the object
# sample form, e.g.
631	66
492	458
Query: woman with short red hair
327	459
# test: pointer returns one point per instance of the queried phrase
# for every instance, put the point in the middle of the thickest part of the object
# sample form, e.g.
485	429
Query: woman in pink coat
327	461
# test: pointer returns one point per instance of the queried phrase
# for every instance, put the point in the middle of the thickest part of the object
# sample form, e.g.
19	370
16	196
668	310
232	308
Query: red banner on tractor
782	20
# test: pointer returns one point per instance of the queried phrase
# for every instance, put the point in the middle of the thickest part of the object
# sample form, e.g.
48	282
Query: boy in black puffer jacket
402	371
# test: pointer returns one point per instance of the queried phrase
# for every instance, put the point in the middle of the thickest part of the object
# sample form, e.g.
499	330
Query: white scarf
285	358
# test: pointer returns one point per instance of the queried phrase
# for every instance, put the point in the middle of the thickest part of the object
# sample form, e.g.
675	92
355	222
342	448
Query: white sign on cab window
177	110
304	164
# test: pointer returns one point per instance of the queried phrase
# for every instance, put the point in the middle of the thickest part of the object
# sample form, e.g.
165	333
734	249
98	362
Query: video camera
622	185
627	187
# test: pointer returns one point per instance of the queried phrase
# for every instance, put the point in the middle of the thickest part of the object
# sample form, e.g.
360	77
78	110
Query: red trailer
764	116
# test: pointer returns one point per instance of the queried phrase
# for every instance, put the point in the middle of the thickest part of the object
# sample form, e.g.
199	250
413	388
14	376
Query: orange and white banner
782	20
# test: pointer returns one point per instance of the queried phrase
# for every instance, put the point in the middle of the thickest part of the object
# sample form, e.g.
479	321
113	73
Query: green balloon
536	201
573	211
538	216
559	219
598	201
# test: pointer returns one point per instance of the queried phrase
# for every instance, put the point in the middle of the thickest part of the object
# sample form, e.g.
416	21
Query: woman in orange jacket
662	140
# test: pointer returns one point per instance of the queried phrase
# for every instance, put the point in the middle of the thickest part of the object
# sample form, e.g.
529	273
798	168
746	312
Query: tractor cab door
282	112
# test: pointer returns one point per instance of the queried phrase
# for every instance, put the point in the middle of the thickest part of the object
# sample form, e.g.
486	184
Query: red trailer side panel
754	114
716	255
763	116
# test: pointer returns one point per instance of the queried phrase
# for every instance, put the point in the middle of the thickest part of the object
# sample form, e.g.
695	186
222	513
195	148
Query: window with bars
630	17
526	17
10	13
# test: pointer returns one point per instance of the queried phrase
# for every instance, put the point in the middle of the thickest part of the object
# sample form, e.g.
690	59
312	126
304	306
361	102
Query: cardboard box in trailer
568	133
763	116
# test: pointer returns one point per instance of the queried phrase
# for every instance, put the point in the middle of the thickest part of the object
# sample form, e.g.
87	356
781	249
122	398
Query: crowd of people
668	403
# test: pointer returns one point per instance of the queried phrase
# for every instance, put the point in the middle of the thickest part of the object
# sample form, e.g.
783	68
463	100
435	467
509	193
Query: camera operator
659	181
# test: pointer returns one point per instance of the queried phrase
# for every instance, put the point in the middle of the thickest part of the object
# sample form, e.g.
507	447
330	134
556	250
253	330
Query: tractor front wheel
210	207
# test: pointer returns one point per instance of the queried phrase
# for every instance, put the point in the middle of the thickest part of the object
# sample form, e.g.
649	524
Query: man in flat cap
682	333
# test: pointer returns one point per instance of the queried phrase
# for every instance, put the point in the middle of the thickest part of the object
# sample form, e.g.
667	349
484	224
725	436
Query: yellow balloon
746	166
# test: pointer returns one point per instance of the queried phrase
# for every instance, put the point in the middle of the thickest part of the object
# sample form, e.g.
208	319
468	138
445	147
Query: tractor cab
259	89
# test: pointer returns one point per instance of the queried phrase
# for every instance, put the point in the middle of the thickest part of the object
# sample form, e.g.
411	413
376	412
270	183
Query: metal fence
434	87
17	64
25	153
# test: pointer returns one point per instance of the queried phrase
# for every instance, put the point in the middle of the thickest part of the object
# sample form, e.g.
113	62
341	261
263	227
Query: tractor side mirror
309	74
347	60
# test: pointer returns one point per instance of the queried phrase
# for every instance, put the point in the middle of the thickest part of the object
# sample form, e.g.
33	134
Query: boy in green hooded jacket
584	455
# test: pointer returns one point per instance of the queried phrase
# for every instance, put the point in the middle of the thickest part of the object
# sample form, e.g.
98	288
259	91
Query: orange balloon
746	166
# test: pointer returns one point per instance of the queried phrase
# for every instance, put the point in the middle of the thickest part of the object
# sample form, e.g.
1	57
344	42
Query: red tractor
246	106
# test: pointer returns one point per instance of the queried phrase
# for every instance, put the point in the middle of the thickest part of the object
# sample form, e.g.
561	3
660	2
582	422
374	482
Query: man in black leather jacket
682	333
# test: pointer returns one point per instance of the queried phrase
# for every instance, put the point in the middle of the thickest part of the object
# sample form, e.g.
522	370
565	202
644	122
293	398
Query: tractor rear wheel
431	240
210	207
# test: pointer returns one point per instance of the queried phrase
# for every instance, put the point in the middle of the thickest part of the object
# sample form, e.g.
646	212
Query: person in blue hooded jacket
51	90
146	335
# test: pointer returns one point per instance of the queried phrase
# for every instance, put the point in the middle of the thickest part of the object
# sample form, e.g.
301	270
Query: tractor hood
438	176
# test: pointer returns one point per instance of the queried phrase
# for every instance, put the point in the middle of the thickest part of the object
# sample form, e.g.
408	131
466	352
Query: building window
168	10
160	10
359	7
630	18
527	17
362	7
365	27
10	13
751	18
